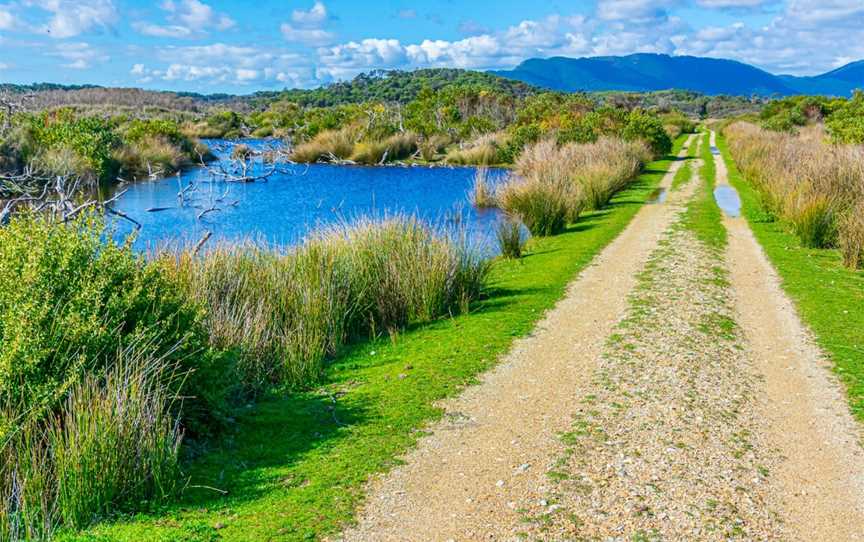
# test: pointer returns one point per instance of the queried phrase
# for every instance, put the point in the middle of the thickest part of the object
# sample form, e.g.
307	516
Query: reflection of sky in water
286	206
728	200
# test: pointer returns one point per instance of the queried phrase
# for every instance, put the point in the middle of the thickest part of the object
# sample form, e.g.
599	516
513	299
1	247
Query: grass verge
829	297
295	469
703	216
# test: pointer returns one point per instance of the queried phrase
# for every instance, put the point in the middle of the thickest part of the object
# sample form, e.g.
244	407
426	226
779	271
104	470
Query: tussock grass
326	145
113	445
287	313
483	151
813	186
482	193
554	184
150	155
511	241
396	147
97	345
433	146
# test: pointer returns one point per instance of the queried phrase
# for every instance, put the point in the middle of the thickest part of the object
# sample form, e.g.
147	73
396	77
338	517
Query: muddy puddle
658	196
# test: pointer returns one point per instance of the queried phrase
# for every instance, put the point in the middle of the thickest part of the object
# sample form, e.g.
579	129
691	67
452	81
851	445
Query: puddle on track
658	196
727	199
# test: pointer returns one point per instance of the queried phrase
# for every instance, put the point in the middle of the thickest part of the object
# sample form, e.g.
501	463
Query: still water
282	209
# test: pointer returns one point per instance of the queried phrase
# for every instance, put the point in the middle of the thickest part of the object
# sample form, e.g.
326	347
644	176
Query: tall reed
285	314
815	187
511	241
554	184
113	445
482	193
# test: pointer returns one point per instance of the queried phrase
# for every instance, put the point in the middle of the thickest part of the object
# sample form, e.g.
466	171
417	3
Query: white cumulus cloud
185	19
71	18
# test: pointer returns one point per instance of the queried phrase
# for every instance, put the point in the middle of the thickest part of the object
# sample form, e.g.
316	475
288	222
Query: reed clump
99	345
511	238
287	313
485	150
327	146
482	194
112	446
554	184
814	186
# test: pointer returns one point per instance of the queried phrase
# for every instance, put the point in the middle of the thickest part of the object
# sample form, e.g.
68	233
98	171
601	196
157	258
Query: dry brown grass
817	188
483	151
554	184
326	146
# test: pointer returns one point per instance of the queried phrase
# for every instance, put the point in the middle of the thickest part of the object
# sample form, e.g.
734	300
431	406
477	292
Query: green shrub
69	297
648	128
91	140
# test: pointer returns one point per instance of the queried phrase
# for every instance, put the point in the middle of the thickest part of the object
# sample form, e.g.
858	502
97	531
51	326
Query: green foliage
790	114
396	86
92	139
299	463
227	123
69	299
846	122
139	129
648	128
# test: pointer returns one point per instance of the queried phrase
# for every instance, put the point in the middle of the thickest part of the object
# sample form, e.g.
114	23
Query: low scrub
815	187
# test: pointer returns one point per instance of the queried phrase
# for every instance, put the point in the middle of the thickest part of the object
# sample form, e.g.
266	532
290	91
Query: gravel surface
485	460
668	446
820	482
673	394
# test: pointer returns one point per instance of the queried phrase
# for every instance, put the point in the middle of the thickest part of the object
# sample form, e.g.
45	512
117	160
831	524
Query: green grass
829	297
684	173
703	216
296	466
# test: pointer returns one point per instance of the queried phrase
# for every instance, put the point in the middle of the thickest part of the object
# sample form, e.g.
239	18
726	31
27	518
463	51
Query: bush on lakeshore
482	193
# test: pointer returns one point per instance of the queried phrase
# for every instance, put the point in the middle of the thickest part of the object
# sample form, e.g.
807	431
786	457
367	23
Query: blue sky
241	47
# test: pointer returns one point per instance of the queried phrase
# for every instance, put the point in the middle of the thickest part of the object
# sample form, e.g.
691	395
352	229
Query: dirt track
669	432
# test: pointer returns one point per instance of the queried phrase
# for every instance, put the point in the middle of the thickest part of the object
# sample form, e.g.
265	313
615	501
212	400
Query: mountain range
643	72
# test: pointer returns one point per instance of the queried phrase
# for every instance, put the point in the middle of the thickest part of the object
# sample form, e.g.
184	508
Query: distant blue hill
645	72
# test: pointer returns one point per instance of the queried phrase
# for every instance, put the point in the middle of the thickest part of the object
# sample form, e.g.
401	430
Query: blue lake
284	208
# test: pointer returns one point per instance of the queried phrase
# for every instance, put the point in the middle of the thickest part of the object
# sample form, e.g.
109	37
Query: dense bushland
96	149
109	360
816	187
458	125
843	119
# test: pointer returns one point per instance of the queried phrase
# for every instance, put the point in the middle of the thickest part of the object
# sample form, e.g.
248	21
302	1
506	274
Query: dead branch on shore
58	197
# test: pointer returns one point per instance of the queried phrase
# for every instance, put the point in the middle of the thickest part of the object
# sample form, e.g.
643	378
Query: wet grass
828	296
296	466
